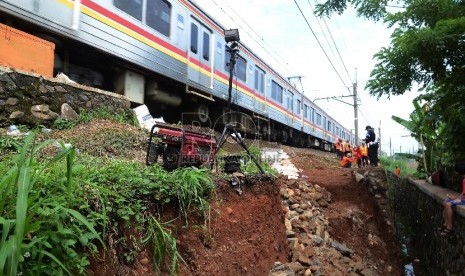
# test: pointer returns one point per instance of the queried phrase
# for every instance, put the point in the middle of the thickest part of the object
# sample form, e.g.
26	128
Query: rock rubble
311	246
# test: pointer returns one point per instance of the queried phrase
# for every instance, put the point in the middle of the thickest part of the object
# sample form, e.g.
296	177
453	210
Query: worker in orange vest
338	145
343	148
364	150
357	153
397	171
347	147
346	161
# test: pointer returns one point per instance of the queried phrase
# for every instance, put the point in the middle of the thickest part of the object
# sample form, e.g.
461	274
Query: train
173	57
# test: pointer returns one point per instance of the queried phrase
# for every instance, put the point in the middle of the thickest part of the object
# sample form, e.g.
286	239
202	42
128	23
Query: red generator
180	147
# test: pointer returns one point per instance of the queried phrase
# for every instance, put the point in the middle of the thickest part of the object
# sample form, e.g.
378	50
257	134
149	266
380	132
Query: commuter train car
172	56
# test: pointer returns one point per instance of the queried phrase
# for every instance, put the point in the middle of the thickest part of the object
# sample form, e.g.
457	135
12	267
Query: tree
428	49
425	131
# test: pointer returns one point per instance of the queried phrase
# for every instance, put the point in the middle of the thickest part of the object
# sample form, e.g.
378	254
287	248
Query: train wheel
170	158
301	141
284	136
203	113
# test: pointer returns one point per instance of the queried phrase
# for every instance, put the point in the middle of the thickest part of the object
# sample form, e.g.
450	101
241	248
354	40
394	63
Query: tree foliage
427	50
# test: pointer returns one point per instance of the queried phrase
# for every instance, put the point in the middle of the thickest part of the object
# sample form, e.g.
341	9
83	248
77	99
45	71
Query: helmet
367	127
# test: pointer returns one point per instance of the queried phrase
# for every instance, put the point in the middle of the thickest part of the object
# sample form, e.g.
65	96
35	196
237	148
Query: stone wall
30	99
418	212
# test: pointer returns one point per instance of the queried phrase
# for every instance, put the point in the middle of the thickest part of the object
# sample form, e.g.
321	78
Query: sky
279	33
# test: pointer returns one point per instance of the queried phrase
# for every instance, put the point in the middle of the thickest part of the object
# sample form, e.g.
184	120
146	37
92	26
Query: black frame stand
228	128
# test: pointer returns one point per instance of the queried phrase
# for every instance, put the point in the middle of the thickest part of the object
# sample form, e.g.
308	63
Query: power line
337	49
258	35
272	55
326	38
321	46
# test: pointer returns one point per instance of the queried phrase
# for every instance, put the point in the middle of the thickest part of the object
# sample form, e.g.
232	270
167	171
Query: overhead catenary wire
332	39
321	46
266	48
337	49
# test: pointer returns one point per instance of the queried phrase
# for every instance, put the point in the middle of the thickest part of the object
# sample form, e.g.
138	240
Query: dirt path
353	214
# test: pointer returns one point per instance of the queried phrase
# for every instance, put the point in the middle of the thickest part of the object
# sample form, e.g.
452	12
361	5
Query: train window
241	70
180	22
194	38
259	80
299	106
305	111
276	92
329	126
318	119
312	114
158	16
289	101
219	48
131	7
337	131
206	46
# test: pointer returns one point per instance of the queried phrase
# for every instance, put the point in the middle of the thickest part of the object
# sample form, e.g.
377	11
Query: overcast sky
279	33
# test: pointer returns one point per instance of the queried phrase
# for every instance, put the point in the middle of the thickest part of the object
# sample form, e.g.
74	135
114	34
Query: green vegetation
56	211
390	163
426	51
10	143
62	124
108	113
249	167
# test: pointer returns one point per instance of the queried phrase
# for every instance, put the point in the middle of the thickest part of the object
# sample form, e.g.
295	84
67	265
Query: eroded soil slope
246	234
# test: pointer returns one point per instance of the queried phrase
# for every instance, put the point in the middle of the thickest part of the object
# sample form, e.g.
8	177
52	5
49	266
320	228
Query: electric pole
355	113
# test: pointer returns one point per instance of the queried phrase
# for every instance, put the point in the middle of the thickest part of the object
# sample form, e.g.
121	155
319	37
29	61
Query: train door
289	107
325	135
259	87
200	68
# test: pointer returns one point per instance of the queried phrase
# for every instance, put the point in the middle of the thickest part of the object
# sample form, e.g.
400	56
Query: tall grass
31	223
191	186
390	164
56	212
164	247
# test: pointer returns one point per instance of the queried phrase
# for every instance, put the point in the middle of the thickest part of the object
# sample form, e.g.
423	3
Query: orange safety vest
364	150
346	160
347	147
338	145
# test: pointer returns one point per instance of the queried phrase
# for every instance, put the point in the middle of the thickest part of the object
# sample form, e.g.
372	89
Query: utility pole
390	146
355	104
355	112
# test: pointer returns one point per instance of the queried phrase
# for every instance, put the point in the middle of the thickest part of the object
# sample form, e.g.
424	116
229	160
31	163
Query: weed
164	246
62	124
192	186
249	167
67	204
391	163
105	112
39	225
11	143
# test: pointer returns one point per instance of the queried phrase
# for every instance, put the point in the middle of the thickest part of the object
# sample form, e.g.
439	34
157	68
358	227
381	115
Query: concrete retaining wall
418	211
